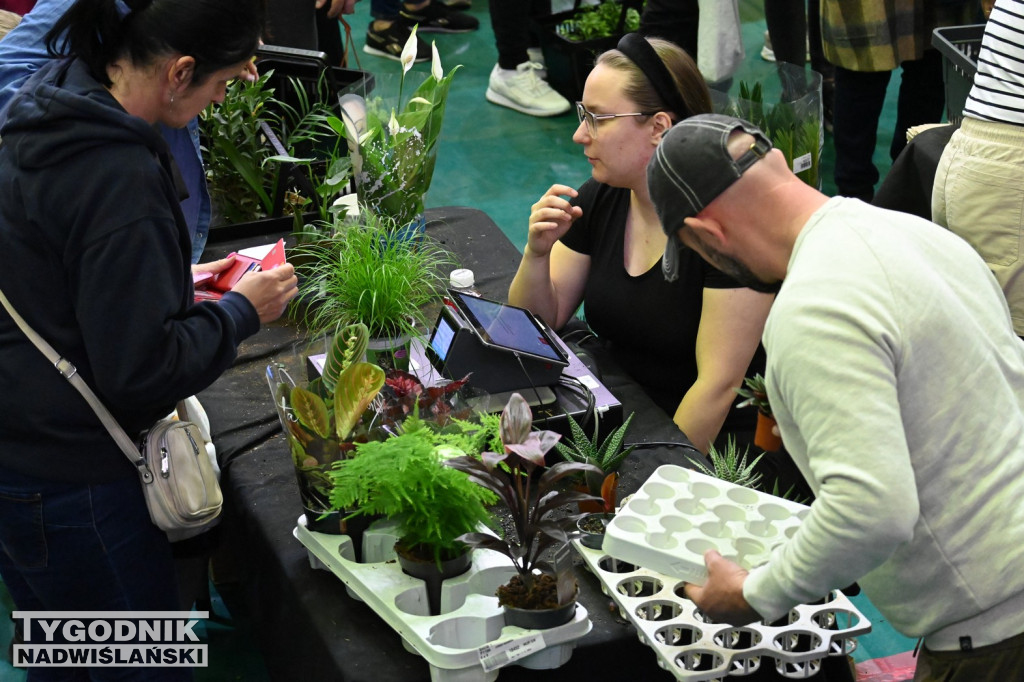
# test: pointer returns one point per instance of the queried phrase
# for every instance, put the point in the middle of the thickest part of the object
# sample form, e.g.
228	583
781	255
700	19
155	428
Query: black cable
664	444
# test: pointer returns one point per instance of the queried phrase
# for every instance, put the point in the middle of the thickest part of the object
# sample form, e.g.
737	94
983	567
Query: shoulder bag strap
70	372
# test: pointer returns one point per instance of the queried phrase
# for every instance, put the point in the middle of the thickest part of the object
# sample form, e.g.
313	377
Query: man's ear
707	229
180	71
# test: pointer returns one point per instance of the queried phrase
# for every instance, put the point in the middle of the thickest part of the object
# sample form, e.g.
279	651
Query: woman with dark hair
688	341
94	254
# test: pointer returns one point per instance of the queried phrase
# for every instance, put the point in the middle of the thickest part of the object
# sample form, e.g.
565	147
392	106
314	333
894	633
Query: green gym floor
499	161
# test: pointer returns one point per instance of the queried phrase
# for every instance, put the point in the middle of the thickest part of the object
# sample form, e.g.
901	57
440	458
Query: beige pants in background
979	195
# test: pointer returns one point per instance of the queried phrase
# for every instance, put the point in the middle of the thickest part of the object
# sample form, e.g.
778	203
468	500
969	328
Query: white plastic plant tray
469	640
678	514
696	650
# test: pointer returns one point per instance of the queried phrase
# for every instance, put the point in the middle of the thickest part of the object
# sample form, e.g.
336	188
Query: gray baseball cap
691	167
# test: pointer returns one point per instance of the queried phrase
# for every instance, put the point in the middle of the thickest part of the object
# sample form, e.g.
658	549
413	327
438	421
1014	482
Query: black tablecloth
305	624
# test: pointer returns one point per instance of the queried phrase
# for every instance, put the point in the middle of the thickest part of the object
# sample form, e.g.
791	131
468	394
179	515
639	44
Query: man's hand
214	266
721	597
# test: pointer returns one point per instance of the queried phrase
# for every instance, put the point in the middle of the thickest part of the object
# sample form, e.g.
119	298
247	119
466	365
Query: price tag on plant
496	656
802	163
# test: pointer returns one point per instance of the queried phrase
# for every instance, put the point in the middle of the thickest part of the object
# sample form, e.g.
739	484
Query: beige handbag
178	480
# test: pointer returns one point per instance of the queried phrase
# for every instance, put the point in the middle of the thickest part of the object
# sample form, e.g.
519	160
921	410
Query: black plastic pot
540	619
334	523
426	570
588	536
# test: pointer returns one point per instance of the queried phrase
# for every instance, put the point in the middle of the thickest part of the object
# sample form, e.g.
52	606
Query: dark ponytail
216	33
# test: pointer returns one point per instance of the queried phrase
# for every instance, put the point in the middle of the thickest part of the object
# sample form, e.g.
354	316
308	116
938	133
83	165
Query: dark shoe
458	4
437	18
390	41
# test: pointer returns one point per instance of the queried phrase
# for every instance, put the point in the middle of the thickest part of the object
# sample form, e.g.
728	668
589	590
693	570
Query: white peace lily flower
409	51
420	100
435	64
393	127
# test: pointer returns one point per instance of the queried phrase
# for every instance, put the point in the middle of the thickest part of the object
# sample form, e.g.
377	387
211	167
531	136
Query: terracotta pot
764	438
588	507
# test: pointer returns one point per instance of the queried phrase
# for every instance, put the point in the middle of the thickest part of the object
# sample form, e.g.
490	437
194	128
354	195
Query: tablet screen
500	324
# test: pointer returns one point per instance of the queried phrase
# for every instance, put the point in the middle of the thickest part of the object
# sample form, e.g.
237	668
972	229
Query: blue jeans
85	547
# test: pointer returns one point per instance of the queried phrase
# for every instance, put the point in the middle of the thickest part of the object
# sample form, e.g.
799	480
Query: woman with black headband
688	342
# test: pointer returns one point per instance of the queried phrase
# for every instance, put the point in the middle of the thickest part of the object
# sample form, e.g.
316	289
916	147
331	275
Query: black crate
569	62
959	46
308	68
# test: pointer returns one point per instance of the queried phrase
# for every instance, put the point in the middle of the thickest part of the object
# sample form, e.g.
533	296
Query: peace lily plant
393	153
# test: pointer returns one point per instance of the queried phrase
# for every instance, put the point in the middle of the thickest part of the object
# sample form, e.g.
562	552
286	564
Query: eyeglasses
593	119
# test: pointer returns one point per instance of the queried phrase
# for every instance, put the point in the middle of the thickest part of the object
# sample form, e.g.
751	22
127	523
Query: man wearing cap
898	383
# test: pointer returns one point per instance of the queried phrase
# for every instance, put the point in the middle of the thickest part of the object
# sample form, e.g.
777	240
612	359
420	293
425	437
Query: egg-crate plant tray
678	514
469	640
655	545
694	649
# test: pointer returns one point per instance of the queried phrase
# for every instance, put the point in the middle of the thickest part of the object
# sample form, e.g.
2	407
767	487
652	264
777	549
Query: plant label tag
494	656
566	583
802	163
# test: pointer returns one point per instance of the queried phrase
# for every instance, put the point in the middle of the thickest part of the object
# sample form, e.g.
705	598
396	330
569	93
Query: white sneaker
524	91
536	55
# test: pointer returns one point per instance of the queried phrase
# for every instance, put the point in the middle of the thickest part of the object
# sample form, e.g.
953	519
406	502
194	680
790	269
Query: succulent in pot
529	491
755	394
606	455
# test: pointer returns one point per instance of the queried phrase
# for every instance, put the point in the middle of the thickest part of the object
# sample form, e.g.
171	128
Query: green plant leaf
357	386
311	411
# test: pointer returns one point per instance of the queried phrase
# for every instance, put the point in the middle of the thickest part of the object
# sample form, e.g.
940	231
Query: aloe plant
606	455
730	465
755	394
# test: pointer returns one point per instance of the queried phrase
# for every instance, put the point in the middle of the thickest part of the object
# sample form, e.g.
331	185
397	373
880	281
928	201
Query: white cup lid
461	278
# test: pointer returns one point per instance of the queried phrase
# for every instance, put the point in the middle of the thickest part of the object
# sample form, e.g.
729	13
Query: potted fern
325	418
541	594
756	395
403	478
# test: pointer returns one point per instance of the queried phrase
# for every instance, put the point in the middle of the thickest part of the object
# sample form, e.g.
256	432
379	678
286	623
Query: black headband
641	53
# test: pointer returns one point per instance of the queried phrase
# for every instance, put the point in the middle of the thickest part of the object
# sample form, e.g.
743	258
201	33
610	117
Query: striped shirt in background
998	91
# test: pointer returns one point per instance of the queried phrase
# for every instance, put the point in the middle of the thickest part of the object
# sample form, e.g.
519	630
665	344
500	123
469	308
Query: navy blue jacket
94	253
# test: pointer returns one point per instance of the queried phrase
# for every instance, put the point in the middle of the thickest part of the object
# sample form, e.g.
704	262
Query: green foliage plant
606	455
366	272
394	145
234	151
529	492
325	418
403	478
730	465
755	395
793	135
598	21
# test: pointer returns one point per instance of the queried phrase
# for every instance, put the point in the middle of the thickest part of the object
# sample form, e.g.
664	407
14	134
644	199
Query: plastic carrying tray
959	46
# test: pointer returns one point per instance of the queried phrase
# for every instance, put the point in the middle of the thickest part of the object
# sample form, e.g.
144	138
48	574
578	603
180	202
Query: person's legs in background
922	97
393	21
674	20
858	104
787	25
517	81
